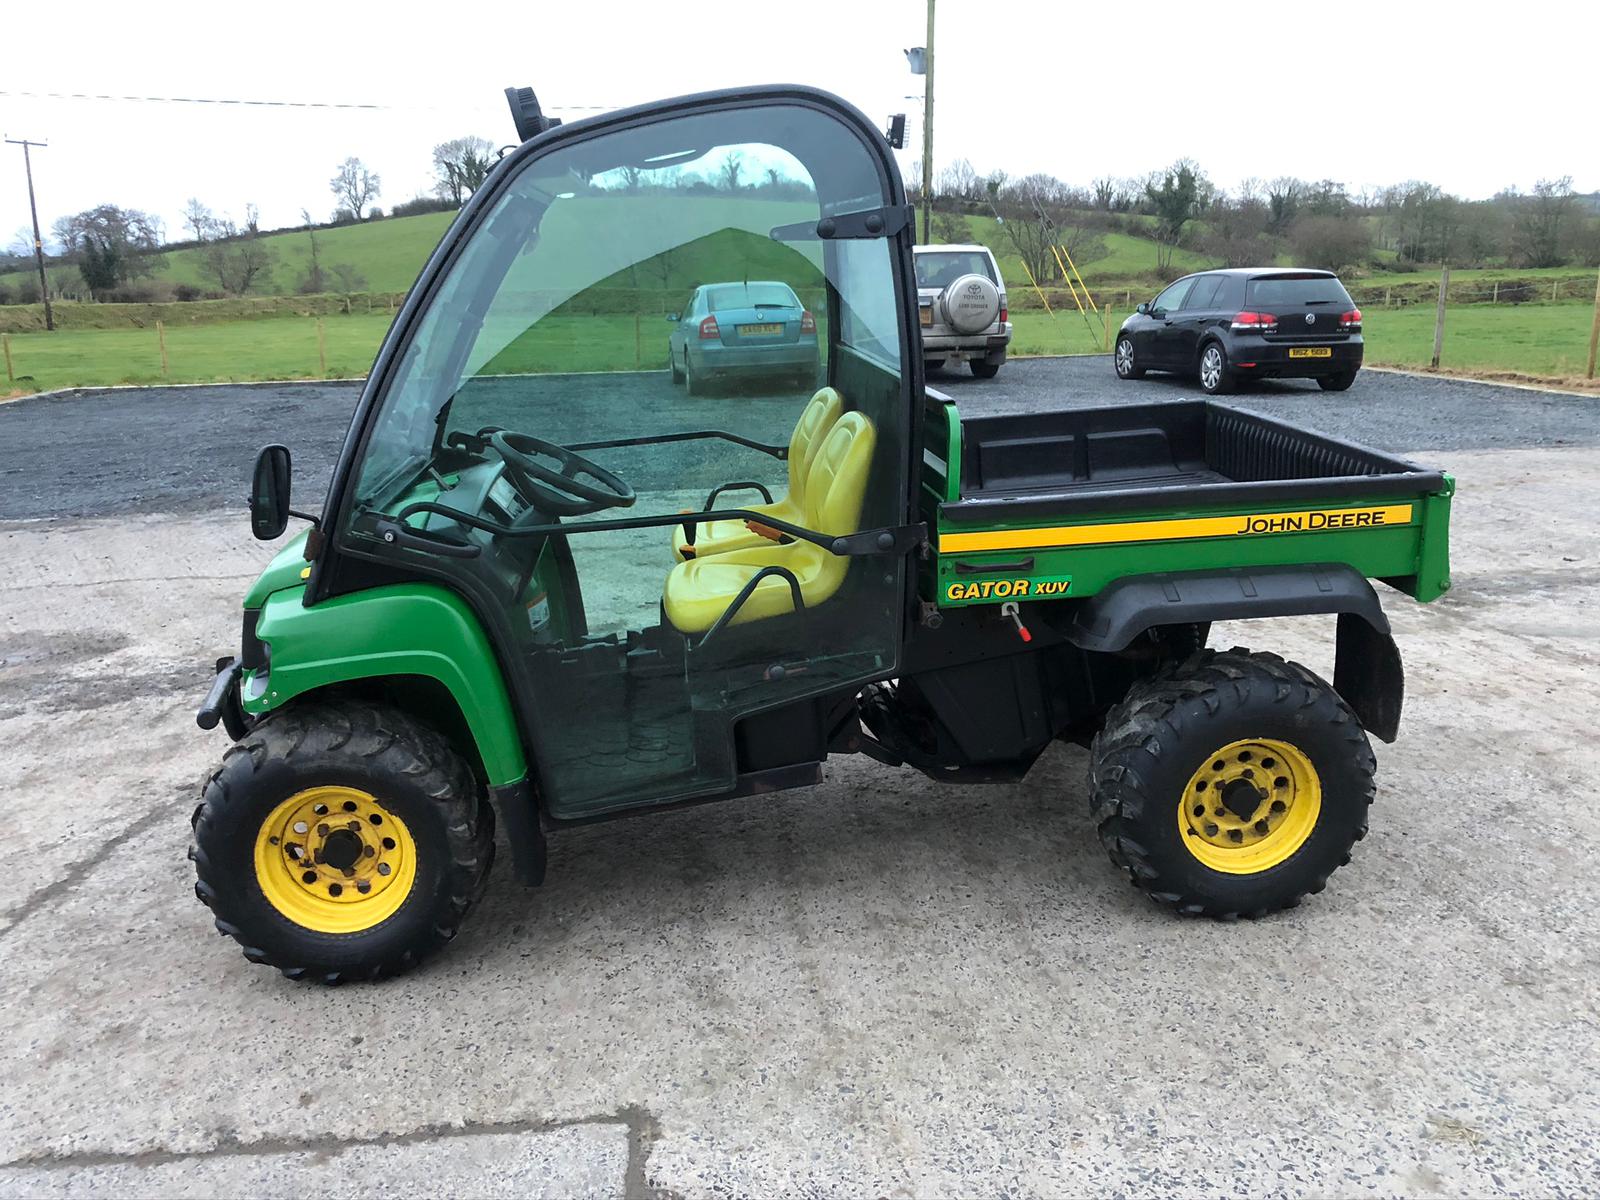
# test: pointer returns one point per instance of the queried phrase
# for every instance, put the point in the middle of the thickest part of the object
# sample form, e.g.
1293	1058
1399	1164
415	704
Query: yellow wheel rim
1250	806
334	860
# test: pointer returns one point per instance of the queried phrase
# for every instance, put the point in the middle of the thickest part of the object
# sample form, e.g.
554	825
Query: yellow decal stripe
1249	525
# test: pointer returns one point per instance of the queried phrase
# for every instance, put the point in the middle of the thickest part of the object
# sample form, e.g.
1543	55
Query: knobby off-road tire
1214	726
409	814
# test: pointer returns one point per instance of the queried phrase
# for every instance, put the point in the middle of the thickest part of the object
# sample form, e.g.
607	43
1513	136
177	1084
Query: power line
256	103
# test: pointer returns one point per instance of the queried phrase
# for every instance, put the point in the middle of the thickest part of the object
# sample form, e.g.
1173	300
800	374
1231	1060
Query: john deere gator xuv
547	586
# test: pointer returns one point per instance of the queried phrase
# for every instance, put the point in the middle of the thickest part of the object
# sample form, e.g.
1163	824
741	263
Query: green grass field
1546	340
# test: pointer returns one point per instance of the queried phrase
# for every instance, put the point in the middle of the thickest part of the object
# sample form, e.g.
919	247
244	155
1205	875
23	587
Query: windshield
942	268
591	249
753	295
1283	291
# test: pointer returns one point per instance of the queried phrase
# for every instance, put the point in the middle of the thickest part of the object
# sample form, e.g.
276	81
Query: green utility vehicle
547	587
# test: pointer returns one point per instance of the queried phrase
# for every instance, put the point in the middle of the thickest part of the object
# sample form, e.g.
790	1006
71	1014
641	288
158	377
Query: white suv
962	306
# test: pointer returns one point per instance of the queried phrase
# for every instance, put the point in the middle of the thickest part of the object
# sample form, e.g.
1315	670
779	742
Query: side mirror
674	316
269	493
1143	309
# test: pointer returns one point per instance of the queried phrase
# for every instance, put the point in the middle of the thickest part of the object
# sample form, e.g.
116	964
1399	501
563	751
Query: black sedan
1226	327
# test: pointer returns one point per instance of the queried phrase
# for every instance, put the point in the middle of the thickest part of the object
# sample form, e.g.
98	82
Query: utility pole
38	245
927	136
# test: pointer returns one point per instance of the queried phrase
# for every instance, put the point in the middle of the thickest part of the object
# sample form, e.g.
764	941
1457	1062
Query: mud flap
1368	674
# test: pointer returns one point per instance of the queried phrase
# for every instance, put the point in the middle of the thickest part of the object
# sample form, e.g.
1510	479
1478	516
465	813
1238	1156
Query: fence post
1105	321
1594	330
1387	293
5	343
1554	284
322	349
1438	320
161	336
638	344
1494	297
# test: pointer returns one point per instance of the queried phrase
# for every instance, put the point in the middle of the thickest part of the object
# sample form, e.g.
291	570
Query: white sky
1369	93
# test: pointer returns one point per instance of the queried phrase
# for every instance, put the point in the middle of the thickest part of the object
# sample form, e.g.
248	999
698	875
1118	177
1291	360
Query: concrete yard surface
881	986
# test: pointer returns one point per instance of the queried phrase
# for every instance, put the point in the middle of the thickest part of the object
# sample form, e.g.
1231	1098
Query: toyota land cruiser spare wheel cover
971	304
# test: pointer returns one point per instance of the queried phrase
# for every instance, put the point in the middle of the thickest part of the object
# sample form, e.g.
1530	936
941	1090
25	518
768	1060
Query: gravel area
881	986
189	449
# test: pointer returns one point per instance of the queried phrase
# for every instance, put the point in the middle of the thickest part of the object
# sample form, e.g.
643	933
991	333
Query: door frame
340	569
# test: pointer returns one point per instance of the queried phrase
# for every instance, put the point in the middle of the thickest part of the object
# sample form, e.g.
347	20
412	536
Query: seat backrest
836	486
818	416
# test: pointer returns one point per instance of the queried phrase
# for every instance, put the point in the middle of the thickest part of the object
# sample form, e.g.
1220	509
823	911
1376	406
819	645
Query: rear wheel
1127	367
1216	376
1231	784
983	368
672	361
1336	383
341	842
692	384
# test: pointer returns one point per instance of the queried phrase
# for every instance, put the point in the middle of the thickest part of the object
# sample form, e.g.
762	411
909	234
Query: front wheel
1231	784
1216	376
983	368
341	842
1336	383
1127	368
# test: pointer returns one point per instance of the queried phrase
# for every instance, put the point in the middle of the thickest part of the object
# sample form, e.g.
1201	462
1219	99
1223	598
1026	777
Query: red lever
1009	609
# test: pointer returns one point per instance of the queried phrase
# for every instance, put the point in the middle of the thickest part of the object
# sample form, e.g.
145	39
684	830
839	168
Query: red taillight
808	323
1255	322
1004	316
709	330
1351	320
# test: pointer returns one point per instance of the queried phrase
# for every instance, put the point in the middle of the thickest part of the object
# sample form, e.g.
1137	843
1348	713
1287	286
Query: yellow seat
699	590
716	537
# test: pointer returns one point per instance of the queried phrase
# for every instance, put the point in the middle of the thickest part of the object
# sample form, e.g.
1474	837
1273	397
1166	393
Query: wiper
1309	303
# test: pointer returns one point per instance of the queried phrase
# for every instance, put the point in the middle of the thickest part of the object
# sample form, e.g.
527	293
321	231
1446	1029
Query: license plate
760	330
927	315
1311	352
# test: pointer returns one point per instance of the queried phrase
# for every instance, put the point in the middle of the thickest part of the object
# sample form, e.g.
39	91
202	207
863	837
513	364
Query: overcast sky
1368	93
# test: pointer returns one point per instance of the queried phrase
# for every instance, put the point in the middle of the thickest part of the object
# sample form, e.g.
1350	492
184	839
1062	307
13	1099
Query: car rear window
752	295
941	269
1296	291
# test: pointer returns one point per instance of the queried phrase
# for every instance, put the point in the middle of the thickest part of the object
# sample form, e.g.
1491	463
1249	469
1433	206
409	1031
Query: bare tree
1335	243
313	282
732	167
346	279
961	180
1539	223
252	218
198	218
112	245
354	187
237	261
461	165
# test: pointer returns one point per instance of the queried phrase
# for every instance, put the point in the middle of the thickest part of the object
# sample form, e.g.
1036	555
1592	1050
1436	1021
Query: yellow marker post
1079	274
1042	298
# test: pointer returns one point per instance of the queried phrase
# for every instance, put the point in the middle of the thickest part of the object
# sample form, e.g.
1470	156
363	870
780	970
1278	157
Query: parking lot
876	987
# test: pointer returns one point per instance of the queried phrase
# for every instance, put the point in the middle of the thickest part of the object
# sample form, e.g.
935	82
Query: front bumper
221	704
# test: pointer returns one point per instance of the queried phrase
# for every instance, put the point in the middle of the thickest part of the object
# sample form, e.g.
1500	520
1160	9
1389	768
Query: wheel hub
334	860
1250	806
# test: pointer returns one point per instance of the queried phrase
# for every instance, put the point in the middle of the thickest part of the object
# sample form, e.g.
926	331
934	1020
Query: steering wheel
558	491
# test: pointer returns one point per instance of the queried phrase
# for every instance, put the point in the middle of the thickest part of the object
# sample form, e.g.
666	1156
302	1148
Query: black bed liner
1133	456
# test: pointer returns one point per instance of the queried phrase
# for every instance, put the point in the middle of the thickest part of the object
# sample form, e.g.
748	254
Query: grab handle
1005	568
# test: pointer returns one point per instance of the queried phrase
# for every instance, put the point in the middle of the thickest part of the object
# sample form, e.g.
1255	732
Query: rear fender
1368	672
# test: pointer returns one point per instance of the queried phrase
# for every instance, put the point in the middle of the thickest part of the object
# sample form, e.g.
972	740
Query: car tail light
808	323
1350	321
709	330
1255	322
1004	315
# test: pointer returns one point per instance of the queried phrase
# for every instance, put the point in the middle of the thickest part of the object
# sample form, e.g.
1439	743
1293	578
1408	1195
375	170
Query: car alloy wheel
1211	368
1125	358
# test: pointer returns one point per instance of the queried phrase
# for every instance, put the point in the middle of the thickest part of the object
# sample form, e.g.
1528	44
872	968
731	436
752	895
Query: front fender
402	629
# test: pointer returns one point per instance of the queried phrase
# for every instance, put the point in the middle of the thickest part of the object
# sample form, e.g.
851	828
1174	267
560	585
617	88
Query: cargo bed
1059	504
